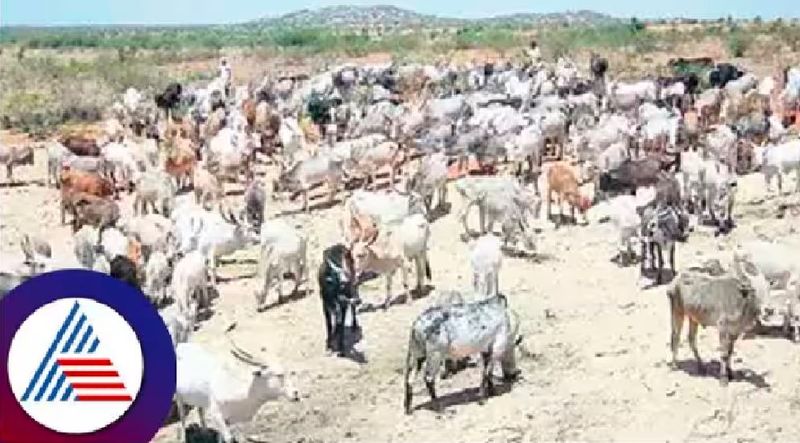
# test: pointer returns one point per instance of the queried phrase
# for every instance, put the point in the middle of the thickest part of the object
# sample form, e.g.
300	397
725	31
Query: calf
155	189
486	258
35	249
728	302
337	288
90	210
207	189
11	156
430	177
255	199
189	278
283	250
662	227
180	164
157	273
389	251
776	160
457	331
563	181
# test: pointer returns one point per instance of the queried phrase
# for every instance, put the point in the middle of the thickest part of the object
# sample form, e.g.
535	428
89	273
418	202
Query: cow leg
431	367
675	339
182	415
693	326
487	387
797	176
355	326
420	265
404	271
327	314
341	312
672	258
482	217
388	290
660	258
261	295
780	182
281	271
305	201
463	217
726	349
216	416
644	258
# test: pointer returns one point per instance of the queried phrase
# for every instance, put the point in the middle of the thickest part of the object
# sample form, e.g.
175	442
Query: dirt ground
597	344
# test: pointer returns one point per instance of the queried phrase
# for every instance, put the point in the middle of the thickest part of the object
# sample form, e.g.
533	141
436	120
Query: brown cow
74	183
181	161
81	144
563	181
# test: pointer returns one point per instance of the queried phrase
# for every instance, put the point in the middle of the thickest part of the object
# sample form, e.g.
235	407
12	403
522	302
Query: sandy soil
596	369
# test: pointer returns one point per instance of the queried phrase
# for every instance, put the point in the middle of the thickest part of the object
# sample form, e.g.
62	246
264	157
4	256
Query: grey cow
727	301
455	331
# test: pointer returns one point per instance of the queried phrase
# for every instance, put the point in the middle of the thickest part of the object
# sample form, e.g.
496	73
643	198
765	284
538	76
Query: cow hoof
723	381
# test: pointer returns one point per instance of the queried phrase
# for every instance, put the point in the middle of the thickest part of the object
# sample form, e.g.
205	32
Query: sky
83	12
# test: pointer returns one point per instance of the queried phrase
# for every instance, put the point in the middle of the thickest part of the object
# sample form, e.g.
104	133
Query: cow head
269	381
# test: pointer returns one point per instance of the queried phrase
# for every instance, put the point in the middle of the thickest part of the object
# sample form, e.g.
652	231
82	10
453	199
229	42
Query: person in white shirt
226	74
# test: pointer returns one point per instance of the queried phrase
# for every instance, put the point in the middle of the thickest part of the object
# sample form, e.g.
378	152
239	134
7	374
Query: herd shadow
463	397
291	298
411	295
711	369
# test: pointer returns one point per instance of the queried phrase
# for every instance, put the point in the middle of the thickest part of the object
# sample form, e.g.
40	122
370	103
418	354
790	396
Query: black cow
170	98
723	74
124	269
598	66
337	288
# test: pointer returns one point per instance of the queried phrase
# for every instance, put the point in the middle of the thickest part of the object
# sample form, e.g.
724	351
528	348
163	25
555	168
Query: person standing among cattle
226	74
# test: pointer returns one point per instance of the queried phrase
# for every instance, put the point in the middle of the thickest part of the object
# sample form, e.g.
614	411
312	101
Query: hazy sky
67	12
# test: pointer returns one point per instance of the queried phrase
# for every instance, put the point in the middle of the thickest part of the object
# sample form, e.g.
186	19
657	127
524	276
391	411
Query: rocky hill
384	15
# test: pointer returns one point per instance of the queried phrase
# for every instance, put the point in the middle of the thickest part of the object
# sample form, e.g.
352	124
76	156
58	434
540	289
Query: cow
337	288
80	144
457	331
727	301
11	156
563	182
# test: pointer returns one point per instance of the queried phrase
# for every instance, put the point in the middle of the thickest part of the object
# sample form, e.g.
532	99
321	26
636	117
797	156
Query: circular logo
90	360
86	358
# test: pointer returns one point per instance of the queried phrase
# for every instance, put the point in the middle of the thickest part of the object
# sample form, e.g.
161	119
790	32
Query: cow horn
240	353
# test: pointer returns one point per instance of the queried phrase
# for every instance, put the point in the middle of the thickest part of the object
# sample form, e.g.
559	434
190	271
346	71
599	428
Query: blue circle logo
87	359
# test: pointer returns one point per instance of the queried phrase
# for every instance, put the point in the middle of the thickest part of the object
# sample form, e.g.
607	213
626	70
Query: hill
392	16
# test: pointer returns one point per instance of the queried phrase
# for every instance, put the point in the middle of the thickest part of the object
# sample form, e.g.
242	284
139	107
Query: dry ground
597	368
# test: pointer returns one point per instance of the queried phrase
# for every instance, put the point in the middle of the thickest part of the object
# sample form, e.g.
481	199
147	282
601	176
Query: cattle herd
174	184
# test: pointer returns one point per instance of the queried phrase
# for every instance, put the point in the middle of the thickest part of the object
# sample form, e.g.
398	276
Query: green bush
737	43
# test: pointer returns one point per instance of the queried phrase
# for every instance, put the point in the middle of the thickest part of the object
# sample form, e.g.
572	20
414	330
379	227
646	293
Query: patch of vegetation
635	35
38	93
738	43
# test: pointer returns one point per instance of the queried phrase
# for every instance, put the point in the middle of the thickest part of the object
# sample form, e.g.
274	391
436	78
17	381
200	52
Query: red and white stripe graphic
93	379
